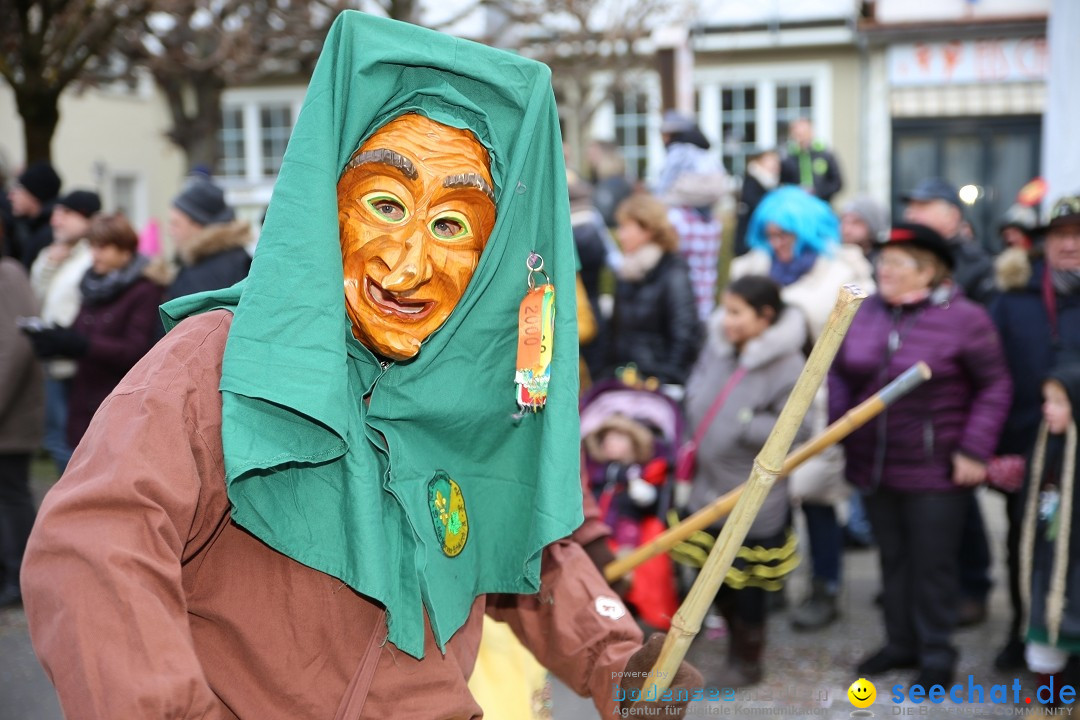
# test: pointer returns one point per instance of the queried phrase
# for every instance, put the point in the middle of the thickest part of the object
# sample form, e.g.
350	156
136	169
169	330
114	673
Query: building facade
899	89
959	91
110	140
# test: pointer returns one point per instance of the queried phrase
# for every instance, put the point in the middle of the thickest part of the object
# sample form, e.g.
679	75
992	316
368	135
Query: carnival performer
301	503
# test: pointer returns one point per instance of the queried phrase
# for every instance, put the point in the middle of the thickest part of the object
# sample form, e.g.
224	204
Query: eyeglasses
895	262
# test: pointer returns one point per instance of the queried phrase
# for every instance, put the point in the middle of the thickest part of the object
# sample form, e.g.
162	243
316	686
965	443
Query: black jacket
655	325
974	270
211	273
31	235
216	258
1043	549
1032	348
752	193
823	167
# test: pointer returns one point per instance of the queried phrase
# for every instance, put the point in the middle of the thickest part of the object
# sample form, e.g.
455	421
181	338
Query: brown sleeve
593	528
575	626
101	579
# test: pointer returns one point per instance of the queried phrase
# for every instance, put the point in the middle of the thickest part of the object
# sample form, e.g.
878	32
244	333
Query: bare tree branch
48	45
195	49
584	40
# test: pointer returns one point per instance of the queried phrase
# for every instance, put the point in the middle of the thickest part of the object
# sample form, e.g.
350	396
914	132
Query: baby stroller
630	436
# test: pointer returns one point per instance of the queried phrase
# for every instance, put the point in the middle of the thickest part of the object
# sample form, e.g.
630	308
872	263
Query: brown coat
145	601
22	382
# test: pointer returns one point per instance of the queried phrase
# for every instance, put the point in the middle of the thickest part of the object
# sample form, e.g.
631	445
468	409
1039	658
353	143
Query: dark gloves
57	342
600	553
638	667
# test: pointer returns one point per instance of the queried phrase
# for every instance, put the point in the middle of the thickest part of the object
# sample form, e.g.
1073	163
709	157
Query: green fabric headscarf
307	467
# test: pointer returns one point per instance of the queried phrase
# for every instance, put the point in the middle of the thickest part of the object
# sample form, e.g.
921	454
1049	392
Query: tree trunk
40	115
202	150
404	10
196	123
207	123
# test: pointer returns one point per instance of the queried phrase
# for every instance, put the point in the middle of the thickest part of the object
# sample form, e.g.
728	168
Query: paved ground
807	674
25	692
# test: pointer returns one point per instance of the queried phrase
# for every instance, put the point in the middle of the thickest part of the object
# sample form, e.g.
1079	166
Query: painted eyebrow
385	156
470	180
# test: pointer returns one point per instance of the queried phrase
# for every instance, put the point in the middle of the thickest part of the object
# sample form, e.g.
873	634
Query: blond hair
926	259
651	214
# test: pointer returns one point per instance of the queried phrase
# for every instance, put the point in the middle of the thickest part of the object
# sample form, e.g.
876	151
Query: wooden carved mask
415	206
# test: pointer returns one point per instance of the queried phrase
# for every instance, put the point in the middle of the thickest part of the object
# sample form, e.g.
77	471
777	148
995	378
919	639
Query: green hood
307	468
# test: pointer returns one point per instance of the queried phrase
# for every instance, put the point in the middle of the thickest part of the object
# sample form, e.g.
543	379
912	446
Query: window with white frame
738	125
632	130
126	193
275	124
793	100
255	128
749	107
231	148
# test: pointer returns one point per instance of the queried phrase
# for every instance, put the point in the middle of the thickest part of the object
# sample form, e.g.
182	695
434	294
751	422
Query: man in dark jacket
935	202
1038	317
211	243
32	199
809	164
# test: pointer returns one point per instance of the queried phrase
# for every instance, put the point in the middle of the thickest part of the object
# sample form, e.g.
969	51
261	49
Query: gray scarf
1066	282
97	289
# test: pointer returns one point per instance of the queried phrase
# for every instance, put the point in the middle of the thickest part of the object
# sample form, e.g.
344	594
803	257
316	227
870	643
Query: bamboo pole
718	509
767	466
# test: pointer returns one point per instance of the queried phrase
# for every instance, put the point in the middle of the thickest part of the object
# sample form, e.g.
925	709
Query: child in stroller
630	435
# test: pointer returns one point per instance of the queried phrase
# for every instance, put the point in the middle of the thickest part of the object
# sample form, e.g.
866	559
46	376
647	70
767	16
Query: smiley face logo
862	693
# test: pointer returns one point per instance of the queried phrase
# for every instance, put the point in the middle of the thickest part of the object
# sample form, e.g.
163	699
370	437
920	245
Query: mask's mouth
393	304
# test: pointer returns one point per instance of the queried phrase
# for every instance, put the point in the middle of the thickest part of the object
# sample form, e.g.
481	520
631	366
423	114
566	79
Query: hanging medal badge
536	331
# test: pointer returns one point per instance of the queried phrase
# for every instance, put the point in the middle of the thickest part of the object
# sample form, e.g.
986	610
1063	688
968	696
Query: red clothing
145	601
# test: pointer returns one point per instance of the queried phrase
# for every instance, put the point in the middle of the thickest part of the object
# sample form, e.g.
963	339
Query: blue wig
792	209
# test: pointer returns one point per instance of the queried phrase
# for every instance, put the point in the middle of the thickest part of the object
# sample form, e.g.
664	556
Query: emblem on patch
448	513
609	607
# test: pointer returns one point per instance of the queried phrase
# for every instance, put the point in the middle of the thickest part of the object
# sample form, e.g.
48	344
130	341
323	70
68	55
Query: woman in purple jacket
919	462
117	323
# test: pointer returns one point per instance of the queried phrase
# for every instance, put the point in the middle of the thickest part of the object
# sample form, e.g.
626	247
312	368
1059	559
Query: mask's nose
413	266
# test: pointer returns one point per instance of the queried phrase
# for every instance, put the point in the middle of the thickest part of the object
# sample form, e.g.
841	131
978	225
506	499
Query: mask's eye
387	207
450	226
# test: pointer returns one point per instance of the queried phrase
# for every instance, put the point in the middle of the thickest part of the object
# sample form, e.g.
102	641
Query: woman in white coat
794	238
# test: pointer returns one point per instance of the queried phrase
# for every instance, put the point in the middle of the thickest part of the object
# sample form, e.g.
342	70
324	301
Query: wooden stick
767	466
718	509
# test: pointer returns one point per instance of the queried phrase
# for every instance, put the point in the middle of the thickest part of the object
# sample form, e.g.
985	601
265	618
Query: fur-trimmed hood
211	240
788	334
640	436
1012	269
214	239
